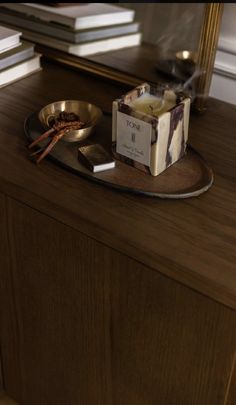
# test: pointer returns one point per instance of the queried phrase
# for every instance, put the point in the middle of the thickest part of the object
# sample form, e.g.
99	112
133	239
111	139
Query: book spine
17	58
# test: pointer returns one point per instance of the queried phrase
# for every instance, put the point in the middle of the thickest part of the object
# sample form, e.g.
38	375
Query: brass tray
189	177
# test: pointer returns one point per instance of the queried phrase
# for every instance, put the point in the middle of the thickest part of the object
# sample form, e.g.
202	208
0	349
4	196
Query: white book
20	70
9	38
79	16
85	48
65	33
16	55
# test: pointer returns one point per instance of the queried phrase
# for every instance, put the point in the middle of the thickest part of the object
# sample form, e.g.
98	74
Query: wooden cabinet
90	325
93	309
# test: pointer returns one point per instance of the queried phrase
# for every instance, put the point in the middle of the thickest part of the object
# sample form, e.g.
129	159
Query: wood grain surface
9	331
5	400
97	327
230	397
138	61
192	241
130	66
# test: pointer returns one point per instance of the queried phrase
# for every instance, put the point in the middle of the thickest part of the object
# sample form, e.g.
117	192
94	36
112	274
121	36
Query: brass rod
207	51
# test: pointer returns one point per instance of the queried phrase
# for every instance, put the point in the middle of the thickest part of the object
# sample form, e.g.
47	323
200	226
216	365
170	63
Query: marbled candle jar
150	128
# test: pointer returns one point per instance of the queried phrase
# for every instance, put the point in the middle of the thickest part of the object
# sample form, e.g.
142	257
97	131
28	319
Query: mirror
178	47
178	42
166	30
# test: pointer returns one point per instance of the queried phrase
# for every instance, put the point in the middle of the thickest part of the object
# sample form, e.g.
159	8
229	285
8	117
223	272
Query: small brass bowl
88	113
186	56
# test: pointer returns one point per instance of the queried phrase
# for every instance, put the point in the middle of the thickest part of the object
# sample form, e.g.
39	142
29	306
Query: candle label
133	138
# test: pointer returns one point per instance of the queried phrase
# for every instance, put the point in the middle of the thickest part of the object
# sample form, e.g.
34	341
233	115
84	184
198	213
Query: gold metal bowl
88	113
185	56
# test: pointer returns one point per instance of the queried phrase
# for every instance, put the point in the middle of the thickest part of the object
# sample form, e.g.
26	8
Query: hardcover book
78	16
20	70
9	38
96	158
65	33
85	48
16	55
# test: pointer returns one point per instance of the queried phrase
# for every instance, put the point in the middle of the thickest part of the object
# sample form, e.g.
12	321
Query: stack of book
17	59
79	29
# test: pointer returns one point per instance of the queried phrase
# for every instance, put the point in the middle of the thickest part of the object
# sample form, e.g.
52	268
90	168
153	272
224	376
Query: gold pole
207	51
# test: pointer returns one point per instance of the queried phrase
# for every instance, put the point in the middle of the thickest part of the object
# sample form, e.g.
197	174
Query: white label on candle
133	138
